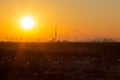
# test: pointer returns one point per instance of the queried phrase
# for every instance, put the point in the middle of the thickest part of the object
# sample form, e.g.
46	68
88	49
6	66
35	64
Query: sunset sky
75	19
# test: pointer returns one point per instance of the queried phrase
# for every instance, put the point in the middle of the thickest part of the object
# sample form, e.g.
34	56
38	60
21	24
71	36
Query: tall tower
55	33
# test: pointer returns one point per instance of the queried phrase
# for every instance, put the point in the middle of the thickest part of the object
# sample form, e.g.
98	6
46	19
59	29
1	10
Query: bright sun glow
27	23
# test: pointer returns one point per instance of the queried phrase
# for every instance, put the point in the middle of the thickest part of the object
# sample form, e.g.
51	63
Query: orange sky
76	19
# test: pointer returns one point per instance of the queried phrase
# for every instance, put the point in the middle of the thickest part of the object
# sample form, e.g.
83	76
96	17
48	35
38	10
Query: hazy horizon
75	19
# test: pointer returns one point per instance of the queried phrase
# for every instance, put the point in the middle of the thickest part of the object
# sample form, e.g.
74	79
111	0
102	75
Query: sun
27	23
